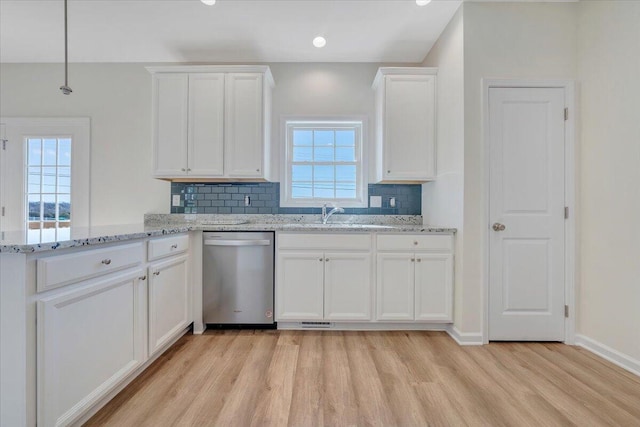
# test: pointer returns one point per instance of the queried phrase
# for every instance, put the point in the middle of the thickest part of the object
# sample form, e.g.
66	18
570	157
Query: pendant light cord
66	89
66	49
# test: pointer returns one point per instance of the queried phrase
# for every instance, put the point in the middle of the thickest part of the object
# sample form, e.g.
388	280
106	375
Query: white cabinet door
299	286
408	128
169	301
170	110
395	285
206	124
347	286
434	287
244	125
89	339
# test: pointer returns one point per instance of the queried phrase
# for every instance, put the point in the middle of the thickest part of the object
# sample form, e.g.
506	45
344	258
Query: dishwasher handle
262	242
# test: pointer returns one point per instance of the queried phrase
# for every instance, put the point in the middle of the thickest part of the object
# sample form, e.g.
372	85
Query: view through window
48	195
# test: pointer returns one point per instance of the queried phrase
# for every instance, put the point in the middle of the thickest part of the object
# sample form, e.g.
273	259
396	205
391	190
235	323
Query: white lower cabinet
169	301
299	285
323	284
395	284
347	286
414	286
88	340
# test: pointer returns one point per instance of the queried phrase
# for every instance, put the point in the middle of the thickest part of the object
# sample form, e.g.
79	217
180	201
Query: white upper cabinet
206	124
212	122
244	125
405	124
170	107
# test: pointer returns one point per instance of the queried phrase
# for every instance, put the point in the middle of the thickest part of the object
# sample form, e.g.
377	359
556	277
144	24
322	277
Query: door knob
498	227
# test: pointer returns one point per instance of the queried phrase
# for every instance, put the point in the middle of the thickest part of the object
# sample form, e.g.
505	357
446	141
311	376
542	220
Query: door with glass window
44	178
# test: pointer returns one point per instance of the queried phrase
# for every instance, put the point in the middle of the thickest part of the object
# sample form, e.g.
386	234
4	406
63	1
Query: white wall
117	98
322	89
609	71
442	200
502	40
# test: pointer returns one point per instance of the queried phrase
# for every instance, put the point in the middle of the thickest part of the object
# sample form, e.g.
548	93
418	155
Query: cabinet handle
419	259
415	242
188	169
320	260
174	246
257	170
142	277
388	171
156	273
413	260
106	261
326	259
183	170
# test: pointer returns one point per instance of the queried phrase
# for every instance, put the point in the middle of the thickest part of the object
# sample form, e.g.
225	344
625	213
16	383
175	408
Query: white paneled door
526	212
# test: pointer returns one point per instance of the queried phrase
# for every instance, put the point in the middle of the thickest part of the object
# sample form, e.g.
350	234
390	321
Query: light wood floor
316	378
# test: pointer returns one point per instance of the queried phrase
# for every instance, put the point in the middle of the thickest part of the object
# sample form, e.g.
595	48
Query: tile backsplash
229	198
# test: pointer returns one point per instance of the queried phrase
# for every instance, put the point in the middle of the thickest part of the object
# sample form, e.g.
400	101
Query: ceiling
392	31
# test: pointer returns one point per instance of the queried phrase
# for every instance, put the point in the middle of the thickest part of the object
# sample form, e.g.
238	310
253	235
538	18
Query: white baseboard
464	338
365	326
614	356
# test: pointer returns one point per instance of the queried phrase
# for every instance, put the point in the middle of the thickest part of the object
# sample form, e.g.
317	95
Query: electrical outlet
375	201
392	202
247	201
175	200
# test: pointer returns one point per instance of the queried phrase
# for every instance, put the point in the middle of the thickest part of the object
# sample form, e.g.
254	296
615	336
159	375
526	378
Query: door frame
569	190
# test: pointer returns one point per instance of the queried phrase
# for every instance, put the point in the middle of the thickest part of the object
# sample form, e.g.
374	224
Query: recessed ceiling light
423	2
209	2
319	41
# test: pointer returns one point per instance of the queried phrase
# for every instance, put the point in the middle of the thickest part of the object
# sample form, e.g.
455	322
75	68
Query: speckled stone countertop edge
90	241
157	229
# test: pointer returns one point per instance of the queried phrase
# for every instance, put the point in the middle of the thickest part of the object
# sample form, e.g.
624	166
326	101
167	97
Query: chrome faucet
326	216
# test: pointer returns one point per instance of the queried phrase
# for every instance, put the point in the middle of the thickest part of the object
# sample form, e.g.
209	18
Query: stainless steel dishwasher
238	278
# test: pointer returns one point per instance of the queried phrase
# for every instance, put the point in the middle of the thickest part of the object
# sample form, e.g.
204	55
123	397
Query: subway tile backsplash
228	198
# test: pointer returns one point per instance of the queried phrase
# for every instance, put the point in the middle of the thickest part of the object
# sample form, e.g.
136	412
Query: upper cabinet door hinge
4	143
3	211
566	114
566	212
566	311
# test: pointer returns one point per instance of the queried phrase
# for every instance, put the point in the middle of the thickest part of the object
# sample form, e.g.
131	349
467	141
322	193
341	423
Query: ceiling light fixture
209	2
65	88
319	41
423	2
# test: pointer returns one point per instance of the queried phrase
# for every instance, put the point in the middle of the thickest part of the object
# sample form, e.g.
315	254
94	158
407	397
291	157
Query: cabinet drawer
414	242
327	241
166	246
62	270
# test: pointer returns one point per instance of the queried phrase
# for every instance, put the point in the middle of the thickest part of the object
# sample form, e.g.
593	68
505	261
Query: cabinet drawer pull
106	261
156	273
174	246
142	277
415	242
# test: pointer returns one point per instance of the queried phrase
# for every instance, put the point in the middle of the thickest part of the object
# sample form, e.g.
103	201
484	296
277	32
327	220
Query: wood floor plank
307	401
333	378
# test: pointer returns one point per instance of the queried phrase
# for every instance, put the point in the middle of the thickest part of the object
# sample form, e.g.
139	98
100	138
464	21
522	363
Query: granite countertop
159	225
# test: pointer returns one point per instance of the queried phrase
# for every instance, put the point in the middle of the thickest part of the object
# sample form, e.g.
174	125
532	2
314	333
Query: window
48	196
324	164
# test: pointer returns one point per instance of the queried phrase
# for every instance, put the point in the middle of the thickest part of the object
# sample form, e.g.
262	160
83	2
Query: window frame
289	124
